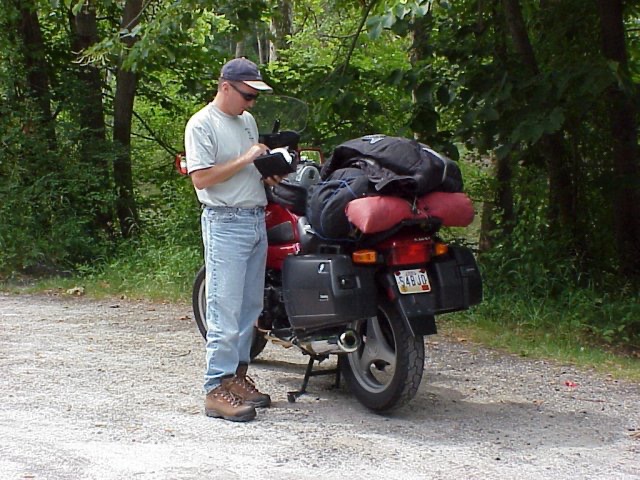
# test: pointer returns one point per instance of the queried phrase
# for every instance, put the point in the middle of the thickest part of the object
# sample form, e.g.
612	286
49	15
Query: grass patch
158	274
580	326
524	327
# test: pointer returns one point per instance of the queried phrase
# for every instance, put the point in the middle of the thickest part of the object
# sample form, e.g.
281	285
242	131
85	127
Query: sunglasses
247	96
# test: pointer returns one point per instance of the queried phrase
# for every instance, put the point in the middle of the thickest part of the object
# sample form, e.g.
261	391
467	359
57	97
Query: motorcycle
369	301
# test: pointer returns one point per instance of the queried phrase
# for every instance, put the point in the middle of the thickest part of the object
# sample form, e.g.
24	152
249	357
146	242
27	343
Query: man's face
241	96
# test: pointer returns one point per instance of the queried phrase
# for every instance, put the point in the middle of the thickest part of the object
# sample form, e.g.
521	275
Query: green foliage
532	282
347	99
398	16
502	323
446	72
47	219
157	270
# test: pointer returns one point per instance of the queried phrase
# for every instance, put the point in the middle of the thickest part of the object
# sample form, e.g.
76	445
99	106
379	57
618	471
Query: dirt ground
111	389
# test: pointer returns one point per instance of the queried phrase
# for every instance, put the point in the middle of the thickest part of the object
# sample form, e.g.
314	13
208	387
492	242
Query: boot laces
247	383
228	397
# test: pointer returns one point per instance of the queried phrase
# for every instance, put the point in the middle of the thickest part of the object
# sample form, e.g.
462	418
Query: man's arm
207	177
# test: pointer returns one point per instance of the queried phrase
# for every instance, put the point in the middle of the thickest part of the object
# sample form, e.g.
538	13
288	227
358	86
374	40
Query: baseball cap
243	70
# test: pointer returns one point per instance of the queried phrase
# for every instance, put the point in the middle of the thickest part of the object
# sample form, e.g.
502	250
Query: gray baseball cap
243	70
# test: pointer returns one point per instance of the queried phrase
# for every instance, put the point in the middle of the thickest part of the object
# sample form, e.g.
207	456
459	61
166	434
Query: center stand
293	396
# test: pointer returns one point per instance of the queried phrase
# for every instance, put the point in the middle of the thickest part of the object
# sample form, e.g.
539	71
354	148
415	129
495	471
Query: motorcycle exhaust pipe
347	342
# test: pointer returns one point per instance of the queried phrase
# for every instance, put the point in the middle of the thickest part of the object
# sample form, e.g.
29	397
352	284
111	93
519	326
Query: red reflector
181	163
391	294
408	253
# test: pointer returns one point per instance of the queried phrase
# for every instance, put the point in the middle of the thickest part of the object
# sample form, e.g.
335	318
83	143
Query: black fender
417	310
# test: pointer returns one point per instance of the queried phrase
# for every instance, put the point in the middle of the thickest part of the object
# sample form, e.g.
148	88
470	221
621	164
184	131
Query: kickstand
293	396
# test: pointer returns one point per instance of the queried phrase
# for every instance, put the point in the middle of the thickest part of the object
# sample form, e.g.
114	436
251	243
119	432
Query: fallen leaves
77	291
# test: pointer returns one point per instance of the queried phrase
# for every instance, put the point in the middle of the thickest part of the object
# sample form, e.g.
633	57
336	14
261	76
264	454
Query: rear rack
429	225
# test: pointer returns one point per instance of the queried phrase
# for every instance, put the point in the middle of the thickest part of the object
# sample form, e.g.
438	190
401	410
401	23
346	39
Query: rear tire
386	370
199	304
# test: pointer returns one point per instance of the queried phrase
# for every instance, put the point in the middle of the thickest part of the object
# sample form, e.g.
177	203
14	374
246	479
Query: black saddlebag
325	290
455	285
456	280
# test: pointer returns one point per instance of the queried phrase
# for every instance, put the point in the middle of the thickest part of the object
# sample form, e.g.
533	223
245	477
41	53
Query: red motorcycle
369	300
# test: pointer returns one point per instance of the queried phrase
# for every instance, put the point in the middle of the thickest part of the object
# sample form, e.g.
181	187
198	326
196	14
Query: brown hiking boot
244	387
220	403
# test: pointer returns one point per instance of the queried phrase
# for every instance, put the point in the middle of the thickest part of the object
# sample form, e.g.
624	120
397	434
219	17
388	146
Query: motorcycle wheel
199	303
386	370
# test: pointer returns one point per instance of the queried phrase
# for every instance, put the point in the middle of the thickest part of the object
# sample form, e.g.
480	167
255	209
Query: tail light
408	253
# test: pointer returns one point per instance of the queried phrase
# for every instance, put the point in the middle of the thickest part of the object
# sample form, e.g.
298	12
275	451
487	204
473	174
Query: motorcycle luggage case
455	285
326	290
458	281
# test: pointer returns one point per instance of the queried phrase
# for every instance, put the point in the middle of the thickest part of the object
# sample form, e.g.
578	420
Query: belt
225	209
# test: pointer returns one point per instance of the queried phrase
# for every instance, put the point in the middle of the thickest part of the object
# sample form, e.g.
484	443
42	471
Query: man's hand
254	152
272	181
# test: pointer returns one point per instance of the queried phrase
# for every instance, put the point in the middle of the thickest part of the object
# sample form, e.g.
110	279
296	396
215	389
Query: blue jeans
235	251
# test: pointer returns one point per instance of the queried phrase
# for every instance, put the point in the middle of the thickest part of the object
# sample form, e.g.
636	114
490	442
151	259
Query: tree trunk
502	201
281	27
424	121
85	34
420	32
239	49
91	113
624	134
37	71
259	46
561	193
518	29
126	81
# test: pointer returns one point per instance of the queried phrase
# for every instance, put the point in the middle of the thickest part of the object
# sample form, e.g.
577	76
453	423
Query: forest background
537	100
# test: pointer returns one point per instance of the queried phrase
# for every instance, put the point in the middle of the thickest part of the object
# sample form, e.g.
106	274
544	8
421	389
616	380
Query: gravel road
110	389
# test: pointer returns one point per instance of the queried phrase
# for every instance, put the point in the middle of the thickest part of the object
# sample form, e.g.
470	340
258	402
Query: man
221	142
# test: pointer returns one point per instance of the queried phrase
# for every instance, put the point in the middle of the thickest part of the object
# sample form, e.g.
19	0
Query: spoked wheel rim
374	363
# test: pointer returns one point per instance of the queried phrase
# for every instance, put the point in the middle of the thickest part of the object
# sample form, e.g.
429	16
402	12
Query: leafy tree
537	100
624	136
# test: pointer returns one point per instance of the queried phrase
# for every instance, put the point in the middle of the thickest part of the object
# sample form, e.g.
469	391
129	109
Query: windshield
285	113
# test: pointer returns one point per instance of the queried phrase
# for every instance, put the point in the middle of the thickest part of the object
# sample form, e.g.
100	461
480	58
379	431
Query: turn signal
440	249
364	256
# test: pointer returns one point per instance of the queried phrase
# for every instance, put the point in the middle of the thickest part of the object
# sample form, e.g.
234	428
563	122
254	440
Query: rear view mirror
309	154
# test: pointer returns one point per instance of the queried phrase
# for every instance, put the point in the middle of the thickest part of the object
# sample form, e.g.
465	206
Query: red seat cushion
377	214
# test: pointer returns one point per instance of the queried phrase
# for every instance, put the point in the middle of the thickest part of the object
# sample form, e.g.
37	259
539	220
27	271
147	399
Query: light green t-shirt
213	137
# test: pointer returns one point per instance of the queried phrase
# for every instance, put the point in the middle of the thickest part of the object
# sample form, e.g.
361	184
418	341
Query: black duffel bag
327	202
290	195
397	166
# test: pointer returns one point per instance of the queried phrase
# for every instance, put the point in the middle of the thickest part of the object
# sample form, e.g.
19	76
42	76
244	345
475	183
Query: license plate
412	281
